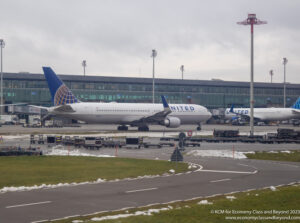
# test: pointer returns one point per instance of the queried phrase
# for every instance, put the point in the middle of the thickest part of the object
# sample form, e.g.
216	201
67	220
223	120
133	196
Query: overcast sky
116	37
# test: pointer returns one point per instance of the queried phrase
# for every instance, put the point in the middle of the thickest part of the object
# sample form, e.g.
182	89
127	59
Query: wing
63	108
244	116
157	117
296	112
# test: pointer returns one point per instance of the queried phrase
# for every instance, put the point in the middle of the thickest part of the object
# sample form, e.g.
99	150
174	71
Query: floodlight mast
251	20
182	69
84	65
153	54
284	81
2	44
271	74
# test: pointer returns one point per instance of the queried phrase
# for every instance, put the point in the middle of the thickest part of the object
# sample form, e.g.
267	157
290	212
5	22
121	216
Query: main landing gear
143	128
122	128
199	127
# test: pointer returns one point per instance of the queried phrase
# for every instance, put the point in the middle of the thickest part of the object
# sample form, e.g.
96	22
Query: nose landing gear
122	128
199	127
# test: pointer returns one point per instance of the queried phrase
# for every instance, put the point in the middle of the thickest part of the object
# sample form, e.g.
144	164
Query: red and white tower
251	20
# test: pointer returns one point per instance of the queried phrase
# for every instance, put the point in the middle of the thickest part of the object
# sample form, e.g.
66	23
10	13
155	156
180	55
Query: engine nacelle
172	122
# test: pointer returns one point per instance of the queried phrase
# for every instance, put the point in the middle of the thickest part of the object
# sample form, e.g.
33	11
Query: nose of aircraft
208	115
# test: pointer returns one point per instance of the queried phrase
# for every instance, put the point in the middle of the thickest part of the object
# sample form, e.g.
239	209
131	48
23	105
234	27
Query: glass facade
33	89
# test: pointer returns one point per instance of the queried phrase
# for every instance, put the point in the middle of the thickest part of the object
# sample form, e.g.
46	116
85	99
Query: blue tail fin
164	101
60	93
297	104
231	108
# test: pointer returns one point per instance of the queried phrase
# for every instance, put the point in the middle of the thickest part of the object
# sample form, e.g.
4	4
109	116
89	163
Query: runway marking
246	165
140	190
227	171
216	181
29	204
199	166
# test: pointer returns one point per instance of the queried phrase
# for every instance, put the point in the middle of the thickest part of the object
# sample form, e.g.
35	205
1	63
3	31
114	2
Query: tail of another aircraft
60	93
297	104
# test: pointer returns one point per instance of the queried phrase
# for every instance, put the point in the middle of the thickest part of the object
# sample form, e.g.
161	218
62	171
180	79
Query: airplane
139	115
265	114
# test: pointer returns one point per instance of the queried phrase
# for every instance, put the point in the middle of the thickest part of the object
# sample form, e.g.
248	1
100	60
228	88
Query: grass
37	170
260	203
293	156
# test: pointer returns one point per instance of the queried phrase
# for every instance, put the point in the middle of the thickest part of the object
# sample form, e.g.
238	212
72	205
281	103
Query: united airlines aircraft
266	114
139	115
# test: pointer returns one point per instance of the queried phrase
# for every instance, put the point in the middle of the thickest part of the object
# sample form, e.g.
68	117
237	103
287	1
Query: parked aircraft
139	115
266	114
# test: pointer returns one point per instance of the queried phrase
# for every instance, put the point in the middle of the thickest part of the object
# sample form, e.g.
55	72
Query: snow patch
172	171
204	202
137	213
231	198
286	151
14	137
77	221
273	188
218	153
57	151
47	186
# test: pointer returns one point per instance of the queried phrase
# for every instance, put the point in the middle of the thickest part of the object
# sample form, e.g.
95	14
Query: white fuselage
125	113
265	114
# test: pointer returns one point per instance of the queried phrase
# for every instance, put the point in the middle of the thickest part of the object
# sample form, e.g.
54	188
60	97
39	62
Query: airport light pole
271	74
153	55
252	20
84	65
2	44
182	69
284	84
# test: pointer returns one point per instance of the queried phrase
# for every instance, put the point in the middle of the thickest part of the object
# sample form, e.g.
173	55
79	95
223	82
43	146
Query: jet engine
172	122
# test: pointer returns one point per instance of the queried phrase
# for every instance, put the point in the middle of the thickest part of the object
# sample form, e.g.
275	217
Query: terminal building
213	94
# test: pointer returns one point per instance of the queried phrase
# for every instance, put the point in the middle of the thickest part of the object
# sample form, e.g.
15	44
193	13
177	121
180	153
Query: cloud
116	37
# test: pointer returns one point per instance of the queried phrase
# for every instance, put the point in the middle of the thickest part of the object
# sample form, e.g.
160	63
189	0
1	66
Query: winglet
297	104
231	108
164	101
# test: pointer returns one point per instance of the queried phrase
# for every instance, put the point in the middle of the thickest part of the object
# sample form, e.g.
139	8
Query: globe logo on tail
64	96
